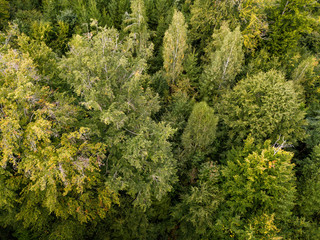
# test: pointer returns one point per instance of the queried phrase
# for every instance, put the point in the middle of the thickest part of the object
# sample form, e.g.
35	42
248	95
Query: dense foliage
159	119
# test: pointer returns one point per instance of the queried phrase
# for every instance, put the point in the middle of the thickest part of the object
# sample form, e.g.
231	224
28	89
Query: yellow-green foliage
259	187
225	60
174	47
263	105
200	131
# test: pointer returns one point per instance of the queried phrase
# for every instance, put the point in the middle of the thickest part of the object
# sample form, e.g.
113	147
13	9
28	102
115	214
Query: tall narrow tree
226	58
174	47
137	26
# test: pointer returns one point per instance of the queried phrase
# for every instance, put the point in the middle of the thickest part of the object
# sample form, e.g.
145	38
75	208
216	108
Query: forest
159	119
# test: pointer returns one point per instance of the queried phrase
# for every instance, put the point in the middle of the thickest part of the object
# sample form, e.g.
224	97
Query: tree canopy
159	119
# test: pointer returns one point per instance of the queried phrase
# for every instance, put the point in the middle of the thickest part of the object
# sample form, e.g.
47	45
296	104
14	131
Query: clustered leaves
134	119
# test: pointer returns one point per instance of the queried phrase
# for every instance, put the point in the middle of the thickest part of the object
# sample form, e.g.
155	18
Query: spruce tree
263	105
259	190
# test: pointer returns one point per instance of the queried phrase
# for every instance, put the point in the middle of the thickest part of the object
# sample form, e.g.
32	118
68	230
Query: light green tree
112	85
263	105
48	162
225	60
200	131
174	48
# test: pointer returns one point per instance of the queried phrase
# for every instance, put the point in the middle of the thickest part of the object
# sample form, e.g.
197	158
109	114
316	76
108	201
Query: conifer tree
4	13
309	185
198	211
259	189
290	19
253	19
263	106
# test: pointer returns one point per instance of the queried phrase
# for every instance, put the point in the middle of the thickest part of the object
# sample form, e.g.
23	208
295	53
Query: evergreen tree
263	105
259	188
4	13
309	185
198	211
290	19
253	19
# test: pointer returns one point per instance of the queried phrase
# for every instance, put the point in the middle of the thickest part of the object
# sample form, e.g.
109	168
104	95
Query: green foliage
200	131
50	171
259	188
226	59
111	82
262	62
313	129
207	15
197	212
4	13
253	18
116	10
191	68
290	19
178	111
309	185
111	133
137	26
174	47
26	18
306	75
263	106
